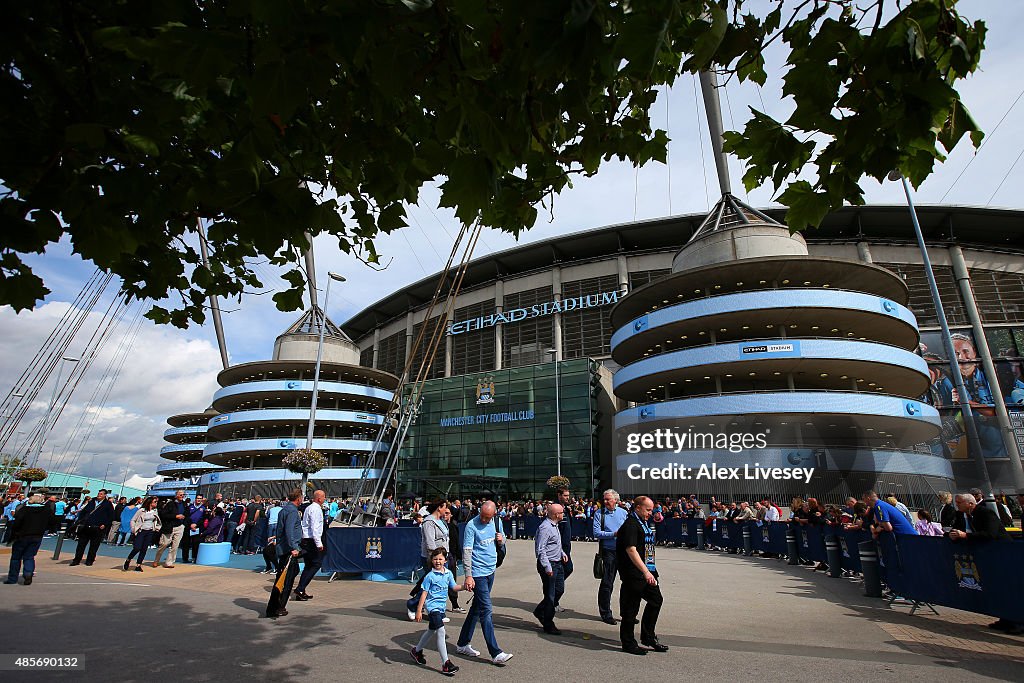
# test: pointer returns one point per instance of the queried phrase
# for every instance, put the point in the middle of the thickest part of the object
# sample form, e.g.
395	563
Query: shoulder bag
499	547
598	560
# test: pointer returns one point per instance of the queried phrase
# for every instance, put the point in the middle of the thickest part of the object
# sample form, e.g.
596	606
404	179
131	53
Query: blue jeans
481	611
23	550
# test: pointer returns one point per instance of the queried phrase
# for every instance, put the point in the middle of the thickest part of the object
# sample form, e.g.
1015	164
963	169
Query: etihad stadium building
557	350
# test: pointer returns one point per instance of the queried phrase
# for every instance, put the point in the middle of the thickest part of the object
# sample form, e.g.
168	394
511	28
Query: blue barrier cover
975	577
372	549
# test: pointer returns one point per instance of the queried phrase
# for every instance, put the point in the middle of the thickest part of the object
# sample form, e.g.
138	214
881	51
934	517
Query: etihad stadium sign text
536	311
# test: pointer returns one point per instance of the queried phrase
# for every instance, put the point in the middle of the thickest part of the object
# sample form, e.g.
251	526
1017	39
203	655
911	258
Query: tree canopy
125	123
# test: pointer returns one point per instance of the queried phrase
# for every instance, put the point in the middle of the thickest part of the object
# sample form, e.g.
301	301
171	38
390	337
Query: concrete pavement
725	617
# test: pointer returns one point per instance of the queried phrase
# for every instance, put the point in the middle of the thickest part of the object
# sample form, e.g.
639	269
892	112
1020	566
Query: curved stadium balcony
229	453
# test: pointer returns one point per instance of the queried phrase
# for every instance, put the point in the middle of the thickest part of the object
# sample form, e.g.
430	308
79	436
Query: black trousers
604	593
631	593
91	536
312	560
279	602
190	546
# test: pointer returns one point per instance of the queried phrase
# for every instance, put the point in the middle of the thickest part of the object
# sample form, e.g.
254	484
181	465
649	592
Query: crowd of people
288	531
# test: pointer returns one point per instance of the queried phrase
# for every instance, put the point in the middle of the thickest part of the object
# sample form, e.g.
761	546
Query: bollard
748	544
791	545
869	567
60	542
515	528
835	558
700	537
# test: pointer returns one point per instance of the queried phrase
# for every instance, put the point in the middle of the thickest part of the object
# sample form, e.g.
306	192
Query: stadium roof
987	228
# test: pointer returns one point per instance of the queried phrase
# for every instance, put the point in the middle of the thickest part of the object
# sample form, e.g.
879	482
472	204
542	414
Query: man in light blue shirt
606	524
551	561
480	559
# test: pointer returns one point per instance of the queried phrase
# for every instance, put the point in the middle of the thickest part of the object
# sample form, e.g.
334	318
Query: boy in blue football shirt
435	599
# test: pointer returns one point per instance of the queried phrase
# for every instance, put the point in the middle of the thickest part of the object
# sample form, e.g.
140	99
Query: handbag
598	559
499	548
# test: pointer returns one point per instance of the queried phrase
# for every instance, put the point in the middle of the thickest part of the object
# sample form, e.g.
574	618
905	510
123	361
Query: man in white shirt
771	513
312	543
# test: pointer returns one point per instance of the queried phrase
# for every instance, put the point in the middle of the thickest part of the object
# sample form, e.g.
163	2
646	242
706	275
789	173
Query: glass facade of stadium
499	432
519	305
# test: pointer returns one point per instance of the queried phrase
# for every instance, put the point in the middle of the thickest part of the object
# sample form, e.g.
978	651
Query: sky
169	371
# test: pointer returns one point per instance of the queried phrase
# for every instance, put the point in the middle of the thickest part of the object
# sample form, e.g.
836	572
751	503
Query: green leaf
957	124
807	208
142	144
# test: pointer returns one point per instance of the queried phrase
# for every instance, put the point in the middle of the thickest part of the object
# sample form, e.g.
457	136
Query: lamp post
103	483
973	442
558	416
123	480
316	371
47	425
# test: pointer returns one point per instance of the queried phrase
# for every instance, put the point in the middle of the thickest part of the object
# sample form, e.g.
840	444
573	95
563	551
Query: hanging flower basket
30	474
558	481
302	461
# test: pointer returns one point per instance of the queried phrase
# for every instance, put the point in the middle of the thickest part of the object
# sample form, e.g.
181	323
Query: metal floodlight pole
105	473
558	417
316	370
963	398
47	425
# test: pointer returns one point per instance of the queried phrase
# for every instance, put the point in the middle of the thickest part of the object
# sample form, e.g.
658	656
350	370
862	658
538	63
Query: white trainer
411	614
467	650
502	658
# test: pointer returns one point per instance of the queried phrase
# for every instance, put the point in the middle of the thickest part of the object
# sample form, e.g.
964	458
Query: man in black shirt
253	511
634	550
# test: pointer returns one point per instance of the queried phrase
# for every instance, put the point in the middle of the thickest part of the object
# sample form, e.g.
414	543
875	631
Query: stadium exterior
854	306
261	413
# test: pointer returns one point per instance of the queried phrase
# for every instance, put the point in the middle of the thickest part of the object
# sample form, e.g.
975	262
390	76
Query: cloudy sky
170	371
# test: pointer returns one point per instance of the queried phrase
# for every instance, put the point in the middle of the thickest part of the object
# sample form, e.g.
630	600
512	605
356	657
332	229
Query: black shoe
1001	625
280	613
88	564
552	630
125	565
138	567
75	563
449	669
417	655
302	597
28	580
1015	630
655	645
634	649
609	619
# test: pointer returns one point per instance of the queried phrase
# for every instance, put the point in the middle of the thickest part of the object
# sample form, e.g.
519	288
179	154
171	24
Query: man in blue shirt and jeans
480	559
606	524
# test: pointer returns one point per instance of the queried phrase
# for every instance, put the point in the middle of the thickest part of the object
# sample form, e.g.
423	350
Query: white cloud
165	373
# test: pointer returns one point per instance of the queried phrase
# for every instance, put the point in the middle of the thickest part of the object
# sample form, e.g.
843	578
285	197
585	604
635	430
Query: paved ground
725	617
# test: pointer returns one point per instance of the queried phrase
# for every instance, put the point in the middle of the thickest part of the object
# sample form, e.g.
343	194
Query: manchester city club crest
374	548
766	535
485	391
967	572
